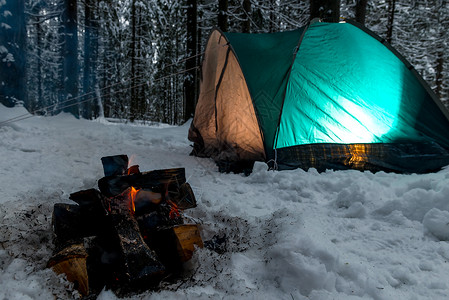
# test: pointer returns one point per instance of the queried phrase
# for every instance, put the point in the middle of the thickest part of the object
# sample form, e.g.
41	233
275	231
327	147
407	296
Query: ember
128	235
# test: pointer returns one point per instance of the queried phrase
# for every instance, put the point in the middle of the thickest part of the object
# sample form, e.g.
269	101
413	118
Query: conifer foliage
139	59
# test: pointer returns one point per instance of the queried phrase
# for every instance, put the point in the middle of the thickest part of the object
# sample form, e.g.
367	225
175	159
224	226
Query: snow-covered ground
291	234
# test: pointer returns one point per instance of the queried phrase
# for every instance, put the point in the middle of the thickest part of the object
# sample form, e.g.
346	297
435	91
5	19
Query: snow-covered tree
12	52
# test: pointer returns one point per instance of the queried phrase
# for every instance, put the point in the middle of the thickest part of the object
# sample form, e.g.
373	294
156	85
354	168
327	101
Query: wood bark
71	261
160	181
223	15
360	11
439	70
325	10
390	22
176	244
273	22
191	52
138	260
13	88
70	54
87	82
246	16
133	45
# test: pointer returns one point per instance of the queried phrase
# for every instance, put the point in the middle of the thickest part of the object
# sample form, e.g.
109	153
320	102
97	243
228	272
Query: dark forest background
139	59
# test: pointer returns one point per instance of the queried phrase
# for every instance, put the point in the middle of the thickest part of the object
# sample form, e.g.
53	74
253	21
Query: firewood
68	225
133	170
176	244
91	202
71	261
139	261
157	181
115	165
187	237
184	198
146	201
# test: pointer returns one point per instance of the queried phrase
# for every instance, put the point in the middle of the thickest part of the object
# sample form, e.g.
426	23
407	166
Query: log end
71	261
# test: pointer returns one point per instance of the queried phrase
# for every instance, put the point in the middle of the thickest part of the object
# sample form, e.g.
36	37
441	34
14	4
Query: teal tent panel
265	60
346	87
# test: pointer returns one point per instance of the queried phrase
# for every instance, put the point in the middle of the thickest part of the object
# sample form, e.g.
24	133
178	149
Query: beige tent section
224	115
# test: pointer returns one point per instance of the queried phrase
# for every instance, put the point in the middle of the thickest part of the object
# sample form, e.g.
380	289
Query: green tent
327	96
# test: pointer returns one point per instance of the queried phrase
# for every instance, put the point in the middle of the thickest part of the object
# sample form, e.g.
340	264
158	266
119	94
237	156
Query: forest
140	59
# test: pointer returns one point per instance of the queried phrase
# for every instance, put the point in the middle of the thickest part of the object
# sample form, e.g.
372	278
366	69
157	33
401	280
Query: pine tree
191	53
70	54
326	10
13	52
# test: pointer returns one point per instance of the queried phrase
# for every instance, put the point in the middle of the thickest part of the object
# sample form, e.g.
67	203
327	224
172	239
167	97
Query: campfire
128	235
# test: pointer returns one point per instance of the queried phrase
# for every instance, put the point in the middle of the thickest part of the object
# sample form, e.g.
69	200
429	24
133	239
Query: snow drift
289	235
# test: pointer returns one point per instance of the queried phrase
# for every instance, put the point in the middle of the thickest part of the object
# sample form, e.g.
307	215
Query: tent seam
285	90
218	85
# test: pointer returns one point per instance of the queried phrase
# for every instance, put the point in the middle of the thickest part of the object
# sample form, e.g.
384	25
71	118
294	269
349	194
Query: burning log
71	261
139	261
146	201
156	181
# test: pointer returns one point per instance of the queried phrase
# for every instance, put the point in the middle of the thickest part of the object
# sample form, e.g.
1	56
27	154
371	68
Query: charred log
91	202
138	260
184	198
157	181
71	225
146	201
115	165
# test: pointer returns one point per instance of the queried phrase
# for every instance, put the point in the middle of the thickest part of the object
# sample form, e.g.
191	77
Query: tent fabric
265	59
353	89
225	119
328	95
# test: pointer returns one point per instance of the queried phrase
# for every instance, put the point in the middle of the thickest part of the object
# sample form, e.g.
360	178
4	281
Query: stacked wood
133	224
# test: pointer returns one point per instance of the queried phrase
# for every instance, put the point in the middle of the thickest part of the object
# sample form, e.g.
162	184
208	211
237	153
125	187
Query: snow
290	234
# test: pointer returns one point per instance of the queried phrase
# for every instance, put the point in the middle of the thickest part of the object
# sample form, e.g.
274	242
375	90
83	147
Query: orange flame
132	196
174	211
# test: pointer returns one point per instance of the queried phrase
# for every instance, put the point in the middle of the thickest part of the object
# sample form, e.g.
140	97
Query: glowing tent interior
325	96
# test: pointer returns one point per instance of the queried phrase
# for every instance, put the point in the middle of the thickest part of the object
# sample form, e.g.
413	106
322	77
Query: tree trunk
246	16
191	75
223	15
13	62
273	23
39	35
325	10
94	22
87	110
360	11
133	104
70	66
439	76
391	7
140	71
